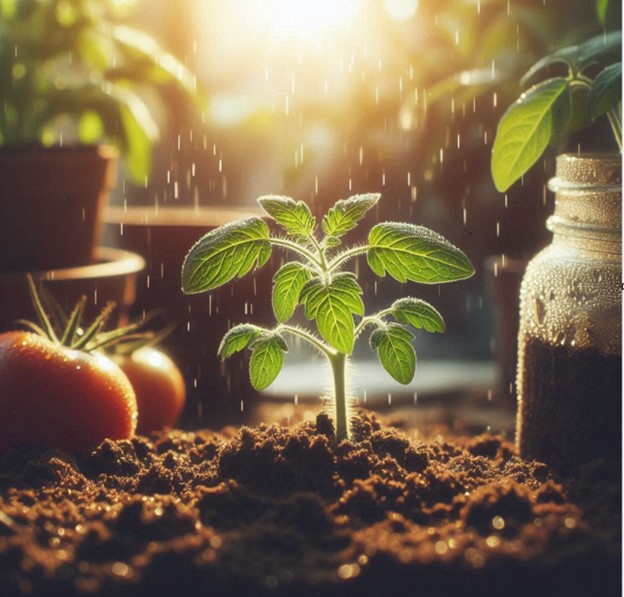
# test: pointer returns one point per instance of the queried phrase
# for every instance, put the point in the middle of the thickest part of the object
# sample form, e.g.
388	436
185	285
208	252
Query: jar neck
588	203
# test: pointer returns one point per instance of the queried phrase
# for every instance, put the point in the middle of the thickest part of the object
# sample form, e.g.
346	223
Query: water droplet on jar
539	311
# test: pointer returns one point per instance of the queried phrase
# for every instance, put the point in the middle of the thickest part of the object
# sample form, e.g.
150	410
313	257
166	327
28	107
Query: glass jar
570	337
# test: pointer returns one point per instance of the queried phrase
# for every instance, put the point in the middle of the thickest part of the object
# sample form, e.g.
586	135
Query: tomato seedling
329	295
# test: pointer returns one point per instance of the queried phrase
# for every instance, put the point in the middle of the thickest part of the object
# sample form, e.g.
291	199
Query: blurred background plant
74	71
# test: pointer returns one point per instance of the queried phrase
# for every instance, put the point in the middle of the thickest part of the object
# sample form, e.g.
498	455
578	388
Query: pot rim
112	262
210	215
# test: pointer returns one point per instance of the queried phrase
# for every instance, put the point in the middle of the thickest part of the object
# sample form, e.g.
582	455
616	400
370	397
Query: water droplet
539	312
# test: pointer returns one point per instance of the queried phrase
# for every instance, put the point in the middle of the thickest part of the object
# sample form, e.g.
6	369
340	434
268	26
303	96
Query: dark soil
281	511
571	407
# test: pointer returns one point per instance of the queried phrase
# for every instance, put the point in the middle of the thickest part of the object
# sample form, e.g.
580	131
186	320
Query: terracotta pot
51	202
164	236
112	278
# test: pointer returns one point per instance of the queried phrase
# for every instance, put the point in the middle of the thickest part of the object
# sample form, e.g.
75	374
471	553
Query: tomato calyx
55	325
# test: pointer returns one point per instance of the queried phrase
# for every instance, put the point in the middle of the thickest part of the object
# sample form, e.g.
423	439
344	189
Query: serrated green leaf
294	216
346	213
225	253
332	305
237	339
266	360
417	313
606	91
415	253
331	242
287	285
393	343
525	130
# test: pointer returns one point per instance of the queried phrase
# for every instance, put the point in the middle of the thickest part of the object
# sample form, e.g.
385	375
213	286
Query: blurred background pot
217	391
504	276
111	278
51	203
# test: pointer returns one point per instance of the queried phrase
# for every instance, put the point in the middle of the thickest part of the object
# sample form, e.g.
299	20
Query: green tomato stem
338	365
345	256
370	319
287	244
308	337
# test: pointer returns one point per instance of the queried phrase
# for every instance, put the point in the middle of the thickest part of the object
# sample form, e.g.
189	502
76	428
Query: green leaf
526	129
293	216
392	342
266	361
417	313
237	339
139	131
602	49
579	119
331	242
169	68
90	127
609	12
227	252
332	306
415	253
287	285
346	213
606	91
602	6
561	117
567	56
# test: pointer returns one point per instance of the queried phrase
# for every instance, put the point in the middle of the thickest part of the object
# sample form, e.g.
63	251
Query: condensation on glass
570	338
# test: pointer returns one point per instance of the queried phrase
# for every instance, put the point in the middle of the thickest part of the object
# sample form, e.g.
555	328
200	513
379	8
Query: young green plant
330	296
547	112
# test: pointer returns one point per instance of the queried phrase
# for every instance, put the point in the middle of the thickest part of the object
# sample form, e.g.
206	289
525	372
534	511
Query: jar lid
590	169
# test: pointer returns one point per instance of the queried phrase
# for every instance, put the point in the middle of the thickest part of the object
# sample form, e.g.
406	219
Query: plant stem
346	255
283	242
377	318
615	120
337	360
338	364
308	337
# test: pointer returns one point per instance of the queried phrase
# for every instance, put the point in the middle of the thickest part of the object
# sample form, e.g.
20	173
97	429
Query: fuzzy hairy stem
346	255
287	244
338	365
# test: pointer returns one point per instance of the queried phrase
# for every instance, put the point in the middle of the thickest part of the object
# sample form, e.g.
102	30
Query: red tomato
59	397
158	385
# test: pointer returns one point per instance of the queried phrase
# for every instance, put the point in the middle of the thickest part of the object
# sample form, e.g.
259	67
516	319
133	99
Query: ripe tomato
60	397
158	385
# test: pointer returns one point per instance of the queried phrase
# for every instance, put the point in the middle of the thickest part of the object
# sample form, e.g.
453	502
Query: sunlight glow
401	10
287	17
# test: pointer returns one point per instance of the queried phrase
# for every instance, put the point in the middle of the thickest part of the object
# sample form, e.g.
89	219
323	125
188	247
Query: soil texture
274	511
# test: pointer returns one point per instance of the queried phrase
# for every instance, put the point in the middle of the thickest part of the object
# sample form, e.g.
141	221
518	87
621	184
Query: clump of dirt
284	511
